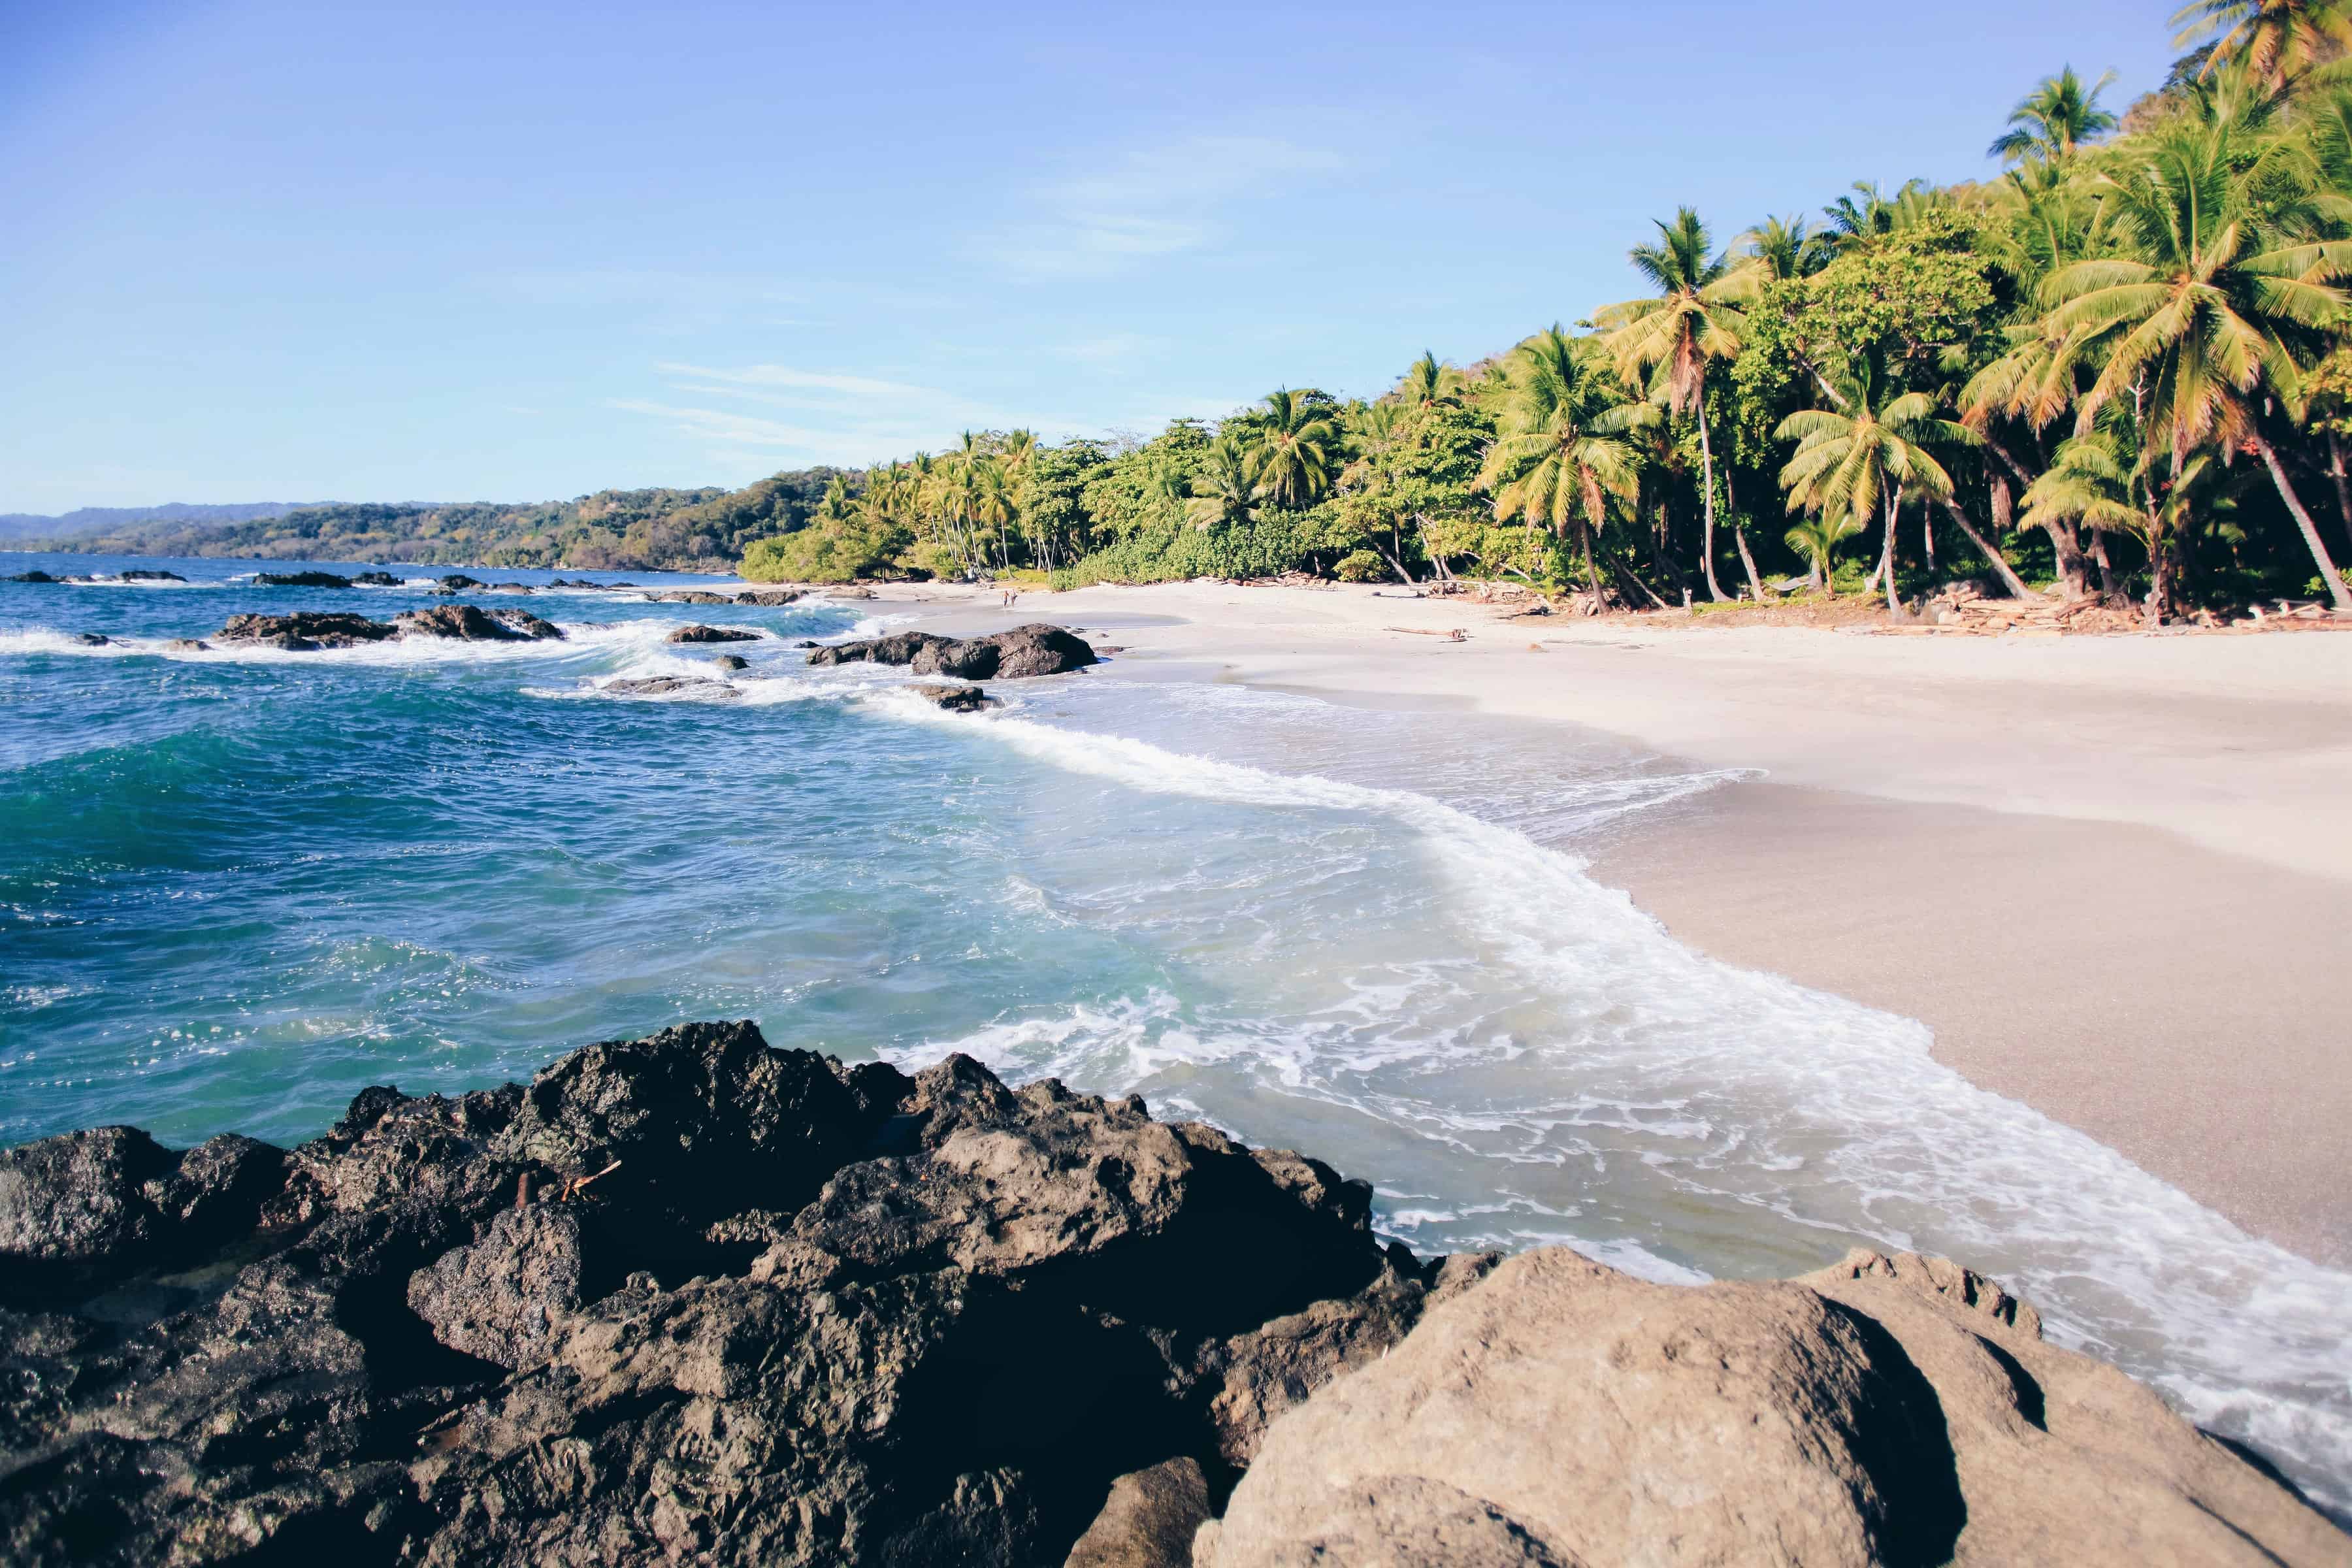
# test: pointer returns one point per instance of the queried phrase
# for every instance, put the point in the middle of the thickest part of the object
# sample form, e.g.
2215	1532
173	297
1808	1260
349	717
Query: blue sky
270	251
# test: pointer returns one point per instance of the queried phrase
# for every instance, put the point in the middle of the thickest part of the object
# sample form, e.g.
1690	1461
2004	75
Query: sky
262	251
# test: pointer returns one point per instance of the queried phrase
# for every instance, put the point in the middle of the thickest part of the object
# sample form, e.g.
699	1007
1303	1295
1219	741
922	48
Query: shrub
1361	566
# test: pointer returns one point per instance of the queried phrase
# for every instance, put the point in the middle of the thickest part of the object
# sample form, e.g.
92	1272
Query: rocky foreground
691	1300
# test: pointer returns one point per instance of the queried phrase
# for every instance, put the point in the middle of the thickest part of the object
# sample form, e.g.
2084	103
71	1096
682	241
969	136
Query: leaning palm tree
2054	120
1815	539
1296	447
1563	452
1673	335
2196	321
1860	457
1226	492
2275	39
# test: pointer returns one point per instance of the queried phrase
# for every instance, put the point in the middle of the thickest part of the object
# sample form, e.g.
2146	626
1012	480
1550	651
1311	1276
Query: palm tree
1786	247
1563	452
1859	458
2276	40
1427	379
1225	493
2194	321
1672	336
1816	539
2050	123
837	505
1875	216
1296	447
2105	480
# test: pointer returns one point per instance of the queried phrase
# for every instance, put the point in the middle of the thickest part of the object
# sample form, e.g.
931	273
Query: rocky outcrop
458	581
683	1298
377	580
92	640
689	1298
1025	651
1887	1411
730	661
470	623
769	598
301	580
699	634
688	596
306	631
187	645
150	574
32	578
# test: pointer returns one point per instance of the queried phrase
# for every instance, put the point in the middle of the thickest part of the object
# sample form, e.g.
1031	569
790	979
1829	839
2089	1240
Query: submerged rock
1025	651
301	580
672	686
306	631
187	645
954	699
732	661
470	623
699	634
92	640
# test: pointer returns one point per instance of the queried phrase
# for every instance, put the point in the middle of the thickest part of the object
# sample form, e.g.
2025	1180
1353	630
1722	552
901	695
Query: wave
1743	1091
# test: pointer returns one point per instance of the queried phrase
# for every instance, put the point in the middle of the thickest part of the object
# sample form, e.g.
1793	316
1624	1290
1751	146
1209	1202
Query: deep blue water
237	886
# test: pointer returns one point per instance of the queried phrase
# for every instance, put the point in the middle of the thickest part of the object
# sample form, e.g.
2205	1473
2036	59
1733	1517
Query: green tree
2054	120
1296	447
2195	321
2273	40
1226	492
1673	337
1815	539
1860	457
1563	453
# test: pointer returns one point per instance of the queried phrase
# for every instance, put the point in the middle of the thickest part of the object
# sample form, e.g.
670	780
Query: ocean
237	886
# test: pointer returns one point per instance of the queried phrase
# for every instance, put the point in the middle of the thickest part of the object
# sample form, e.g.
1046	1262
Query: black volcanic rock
301	580
307	630
1025	651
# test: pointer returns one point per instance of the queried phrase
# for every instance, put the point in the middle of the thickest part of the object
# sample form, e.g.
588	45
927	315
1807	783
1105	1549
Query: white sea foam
1743	1092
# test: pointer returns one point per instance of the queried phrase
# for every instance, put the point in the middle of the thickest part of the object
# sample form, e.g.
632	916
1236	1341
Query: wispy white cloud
1150	202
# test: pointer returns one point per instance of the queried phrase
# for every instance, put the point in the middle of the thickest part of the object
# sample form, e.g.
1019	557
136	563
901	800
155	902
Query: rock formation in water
672	686
301	580
469	623
377	580
692	1300
1025	651
701	634
310	630
770	598
954	699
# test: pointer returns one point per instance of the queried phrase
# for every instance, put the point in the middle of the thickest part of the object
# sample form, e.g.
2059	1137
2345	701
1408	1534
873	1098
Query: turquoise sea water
235	887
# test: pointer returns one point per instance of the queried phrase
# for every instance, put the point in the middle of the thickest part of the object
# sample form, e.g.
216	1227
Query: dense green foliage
702	530
2127	354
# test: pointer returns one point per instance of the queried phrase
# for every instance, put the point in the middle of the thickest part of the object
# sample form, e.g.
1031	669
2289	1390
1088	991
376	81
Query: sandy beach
2113	875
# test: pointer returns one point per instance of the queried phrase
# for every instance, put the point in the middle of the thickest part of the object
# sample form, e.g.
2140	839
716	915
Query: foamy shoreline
2113	875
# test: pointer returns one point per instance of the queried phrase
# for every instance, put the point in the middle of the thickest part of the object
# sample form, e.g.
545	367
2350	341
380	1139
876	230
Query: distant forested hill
610	530
93	518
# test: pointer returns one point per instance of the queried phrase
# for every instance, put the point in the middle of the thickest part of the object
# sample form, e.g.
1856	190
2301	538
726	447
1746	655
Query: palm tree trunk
1707	470
2063	546
1740	534
2108	587
2009	579
1886	553
1591	574
2336	472
2331	579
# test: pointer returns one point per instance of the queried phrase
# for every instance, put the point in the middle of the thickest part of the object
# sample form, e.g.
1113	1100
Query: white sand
2113	874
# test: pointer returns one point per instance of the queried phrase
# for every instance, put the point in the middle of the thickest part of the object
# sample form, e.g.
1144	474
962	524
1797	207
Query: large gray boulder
1891	1411
1025	651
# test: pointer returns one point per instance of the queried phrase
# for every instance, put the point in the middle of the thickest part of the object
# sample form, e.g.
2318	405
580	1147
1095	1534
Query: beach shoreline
2112	875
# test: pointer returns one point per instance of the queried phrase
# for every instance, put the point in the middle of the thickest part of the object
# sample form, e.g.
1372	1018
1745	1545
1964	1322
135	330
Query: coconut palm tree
2105	480
1672	336
1858	223
1294	447
837	504
2054	120
2273	40
2195	320
1786	247
1815	539
1563	453
1427	379
1860	457
1226	492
